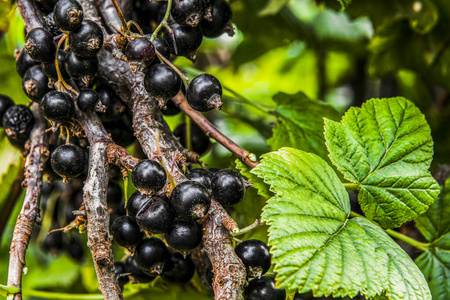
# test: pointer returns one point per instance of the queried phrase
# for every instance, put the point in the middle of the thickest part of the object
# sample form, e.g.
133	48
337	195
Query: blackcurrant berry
68	14
188	12
53	242
24	62
137	273
151	255
187	39
161	46
18	121
190	200
78	66
152	11
199	141
119	272
50	25
255	255
204	93
148	176
126	232
178	269
162	82
140	49
69	161
184	235
5	103
213	170
121	131
109	99
46	6
35	83
57	106
202	176
87	100
87	40
114	194
228	187
155	216
49	68
134	204
40	45
221	18
263	288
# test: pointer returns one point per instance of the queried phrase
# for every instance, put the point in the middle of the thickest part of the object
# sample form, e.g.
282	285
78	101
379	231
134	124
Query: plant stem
62	296
122	18
188	132
352	187
164	21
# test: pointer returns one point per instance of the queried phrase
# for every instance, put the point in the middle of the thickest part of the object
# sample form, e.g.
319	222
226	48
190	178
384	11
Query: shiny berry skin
155	216
87	100
162	82
125	232
24	62
35	83
109	99
49	68
40	45
5	103
57	106
187	39
119	269
200	142
69	161
161	46
148	176
184	235
178	269
87	40
202	176
228	187
18	121
254	254
78	66
190	200
263	288
114	194
140	49
188	12
68	14
137	273
204	93
134	204
221	18
121	131
50	25
151	255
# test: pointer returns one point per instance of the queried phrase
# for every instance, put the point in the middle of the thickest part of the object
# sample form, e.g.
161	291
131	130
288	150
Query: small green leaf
386	147
300	123
314	244
273	7
344	3
8	289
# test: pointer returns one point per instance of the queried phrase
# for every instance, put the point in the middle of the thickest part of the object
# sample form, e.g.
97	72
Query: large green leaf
314	244
435	262
386	147
300	123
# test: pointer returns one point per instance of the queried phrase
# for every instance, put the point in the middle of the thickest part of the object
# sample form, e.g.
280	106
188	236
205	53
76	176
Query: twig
29	214
31	15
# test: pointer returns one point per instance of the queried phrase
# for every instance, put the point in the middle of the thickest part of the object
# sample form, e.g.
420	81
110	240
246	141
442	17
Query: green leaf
314	244
435	265
386	147
300	123
273	7
258	183
344	3
8	289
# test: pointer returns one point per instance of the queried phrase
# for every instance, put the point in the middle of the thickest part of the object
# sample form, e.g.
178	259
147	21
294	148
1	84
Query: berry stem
164	21
188	132
256	224
183	77
122	18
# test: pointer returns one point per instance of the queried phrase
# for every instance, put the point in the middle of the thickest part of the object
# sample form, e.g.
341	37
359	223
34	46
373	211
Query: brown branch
37	155
120	157
31	14
212	131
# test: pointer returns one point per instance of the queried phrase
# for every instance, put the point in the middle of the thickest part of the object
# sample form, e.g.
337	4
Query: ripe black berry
152	11
49	68
137	273
202	176
35	83
109	99
178	269
87	100
68	14
199	141
119	272
87	40
126	232
53	242
188	12
151	255
121	131
148	176
57	106
190	200
228	187
162	82
114	194
184	235
24	62
50	25
5	103
221	18
204	93
40	45
155	216
18	122
69	161
134	204
78	66
263	288
187	39
140	49
255	255
162	47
